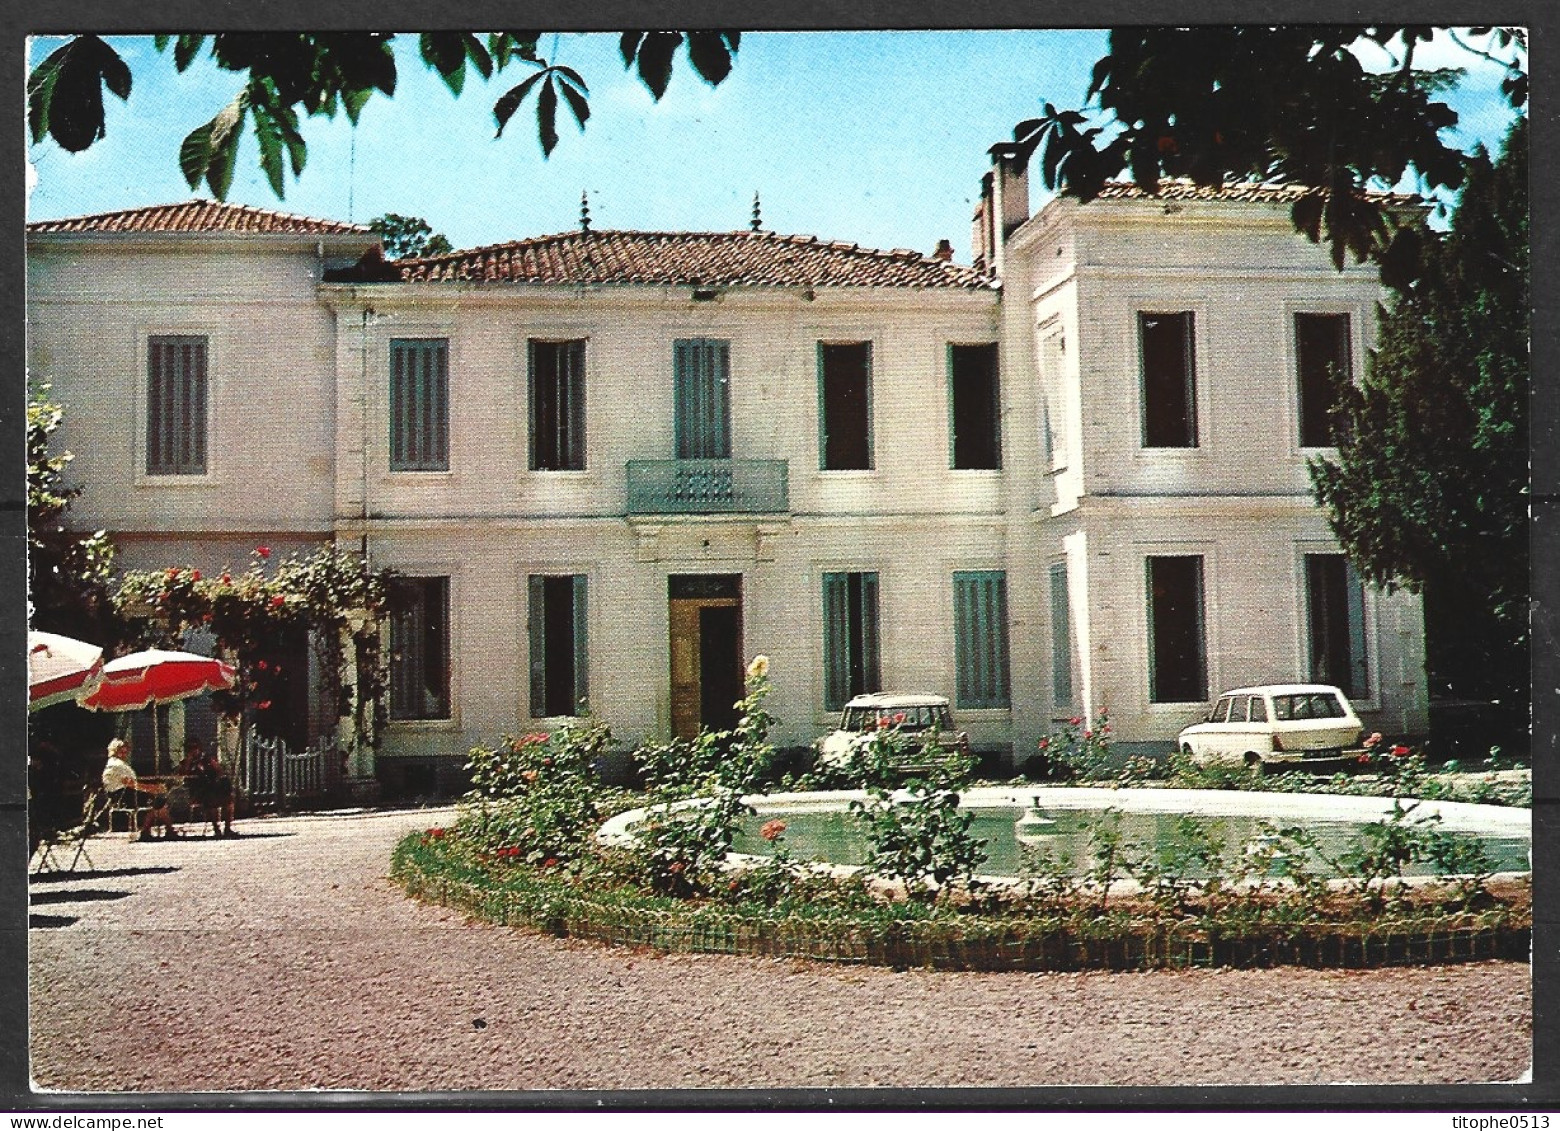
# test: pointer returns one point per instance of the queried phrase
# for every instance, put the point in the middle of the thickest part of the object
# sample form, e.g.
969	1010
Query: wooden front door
705	617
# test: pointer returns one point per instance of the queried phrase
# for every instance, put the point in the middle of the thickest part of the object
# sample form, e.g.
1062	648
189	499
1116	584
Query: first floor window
557	613
1335	601
176	406
557	406
850	637
1061	638
980	639
976	396
845	405
701	398
420	648
1323	359
420	404
1166	346
1178	663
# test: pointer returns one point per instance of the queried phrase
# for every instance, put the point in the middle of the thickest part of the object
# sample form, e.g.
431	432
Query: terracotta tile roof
691	259
199	216
1249	192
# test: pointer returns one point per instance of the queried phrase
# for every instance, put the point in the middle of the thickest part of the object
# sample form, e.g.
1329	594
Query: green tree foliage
67	571
409	237
1282	104
1430	487
288	74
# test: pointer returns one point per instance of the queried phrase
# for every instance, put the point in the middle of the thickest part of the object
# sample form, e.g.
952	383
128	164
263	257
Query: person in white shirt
120	777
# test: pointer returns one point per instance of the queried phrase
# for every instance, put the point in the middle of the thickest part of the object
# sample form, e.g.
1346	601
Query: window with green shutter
557	371
420	648
176	406
850	637
1061	638
419	404
559	658
702	398
980	639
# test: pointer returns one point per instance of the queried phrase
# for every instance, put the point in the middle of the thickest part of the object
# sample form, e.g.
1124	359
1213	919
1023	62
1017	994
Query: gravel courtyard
286	960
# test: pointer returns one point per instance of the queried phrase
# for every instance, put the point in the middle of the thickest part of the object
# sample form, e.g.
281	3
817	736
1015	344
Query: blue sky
878	138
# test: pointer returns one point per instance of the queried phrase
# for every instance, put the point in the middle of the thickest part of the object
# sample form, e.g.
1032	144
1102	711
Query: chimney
982	246
944	252
1013	181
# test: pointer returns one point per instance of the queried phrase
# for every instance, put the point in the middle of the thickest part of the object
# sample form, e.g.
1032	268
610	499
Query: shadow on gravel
99	874
45	921
78	895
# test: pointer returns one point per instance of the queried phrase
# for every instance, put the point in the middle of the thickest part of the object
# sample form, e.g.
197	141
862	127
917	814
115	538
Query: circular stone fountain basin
1021	825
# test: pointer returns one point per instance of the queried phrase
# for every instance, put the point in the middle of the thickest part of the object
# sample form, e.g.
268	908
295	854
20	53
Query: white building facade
613	466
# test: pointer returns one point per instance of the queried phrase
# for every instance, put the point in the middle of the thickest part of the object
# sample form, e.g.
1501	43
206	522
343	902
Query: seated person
209	787
118	777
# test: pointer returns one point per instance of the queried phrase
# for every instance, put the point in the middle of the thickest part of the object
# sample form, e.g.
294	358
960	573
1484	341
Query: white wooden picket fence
272	776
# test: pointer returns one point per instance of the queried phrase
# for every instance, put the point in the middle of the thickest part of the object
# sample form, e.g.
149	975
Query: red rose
1088	734
1075	720
549	863
1045	743
194	575
278	601
1363	759
1400	752
772	830
227	578
263	551
172	571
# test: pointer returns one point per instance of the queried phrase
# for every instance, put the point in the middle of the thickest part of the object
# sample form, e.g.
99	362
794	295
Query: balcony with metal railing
708	486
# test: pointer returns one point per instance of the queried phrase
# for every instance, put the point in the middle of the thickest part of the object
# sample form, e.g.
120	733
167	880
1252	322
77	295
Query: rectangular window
557	405
1178	665
420	648
1061	638
176	406
980	639
1166	345
1053	398
850	637
1335	600
419	404
1323	359
975	393
702	398
557	608
845	406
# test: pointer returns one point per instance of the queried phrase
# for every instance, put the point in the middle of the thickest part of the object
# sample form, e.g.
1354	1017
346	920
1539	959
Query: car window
1221	710
1283	708
944	718
1325	706
855	719
1258	709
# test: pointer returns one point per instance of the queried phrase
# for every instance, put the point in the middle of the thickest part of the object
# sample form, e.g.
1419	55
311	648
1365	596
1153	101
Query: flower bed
525	852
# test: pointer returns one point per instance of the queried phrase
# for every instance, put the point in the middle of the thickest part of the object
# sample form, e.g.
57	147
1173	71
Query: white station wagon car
917	717
1283	722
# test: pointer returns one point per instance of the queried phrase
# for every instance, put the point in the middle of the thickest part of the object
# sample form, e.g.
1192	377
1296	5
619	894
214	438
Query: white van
1284	722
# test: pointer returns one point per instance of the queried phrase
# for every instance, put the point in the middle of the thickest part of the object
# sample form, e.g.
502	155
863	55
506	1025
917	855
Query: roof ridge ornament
757	222
584	211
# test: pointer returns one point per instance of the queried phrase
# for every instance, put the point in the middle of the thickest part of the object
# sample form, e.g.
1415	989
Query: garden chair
54	844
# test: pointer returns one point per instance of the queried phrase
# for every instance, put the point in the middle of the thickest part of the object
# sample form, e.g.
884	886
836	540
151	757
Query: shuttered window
559	658
1178	656
1061	638
702	398
980	639
176	406
557	406
850	637
1336	604
420	404
420	648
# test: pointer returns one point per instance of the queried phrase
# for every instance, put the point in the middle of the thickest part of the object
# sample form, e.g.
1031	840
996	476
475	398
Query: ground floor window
980	639
558	645
1178	654
850	637
1061	638
1335	600
420	649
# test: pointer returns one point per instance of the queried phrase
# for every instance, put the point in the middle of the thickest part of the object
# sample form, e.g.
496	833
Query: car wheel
1254	761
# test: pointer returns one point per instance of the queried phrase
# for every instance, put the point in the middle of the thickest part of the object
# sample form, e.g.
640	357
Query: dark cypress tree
1430	487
